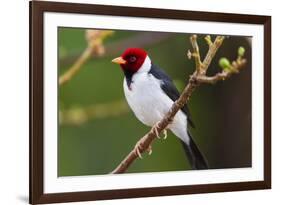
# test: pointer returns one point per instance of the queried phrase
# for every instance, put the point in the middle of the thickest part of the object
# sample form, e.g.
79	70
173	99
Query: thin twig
211	53
222	75
142	40
76	66
95	46
80	115
196	52
193	82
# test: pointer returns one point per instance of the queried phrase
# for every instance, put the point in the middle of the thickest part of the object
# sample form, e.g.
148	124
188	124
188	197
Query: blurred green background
97	129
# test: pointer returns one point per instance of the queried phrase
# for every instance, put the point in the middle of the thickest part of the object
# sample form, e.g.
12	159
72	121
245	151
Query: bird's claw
165	134
149	150
156	131
139	146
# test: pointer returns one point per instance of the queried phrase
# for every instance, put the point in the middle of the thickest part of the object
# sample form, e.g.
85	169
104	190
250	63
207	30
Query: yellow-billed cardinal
150	93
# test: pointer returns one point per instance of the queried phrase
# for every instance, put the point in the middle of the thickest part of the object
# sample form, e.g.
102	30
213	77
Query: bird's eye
133	59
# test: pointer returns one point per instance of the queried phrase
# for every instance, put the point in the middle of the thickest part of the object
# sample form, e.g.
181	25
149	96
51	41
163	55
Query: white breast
149	103
146	98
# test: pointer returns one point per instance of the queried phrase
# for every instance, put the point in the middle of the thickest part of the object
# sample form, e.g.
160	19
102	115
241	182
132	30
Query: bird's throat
129	81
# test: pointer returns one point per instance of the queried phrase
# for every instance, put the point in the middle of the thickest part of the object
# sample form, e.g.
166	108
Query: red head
131	60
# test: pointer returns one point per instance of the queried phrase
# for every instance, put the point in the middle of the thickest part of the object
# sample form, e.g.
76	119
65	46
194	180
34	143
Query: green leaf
224	63
241	51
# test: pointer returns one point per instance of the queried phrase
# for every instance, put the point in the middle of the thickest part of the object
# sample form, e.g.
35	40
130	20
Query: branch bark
198	77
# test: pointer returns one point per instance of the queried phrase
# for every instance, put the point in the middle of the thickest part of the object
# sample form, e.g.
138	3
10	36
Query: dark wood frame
37	10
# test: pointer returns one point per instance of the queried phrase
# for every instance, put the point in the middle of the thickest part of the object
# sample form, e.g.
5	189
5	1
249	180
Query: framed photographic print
136	102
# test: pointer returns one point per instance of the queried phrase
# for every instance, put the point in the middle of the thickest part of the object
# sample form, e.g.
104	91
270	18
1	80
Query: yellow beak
119	60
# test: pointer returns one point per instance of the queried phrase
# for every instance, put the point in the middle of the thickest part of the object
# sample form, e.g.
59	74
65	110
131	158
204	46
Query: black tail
194	155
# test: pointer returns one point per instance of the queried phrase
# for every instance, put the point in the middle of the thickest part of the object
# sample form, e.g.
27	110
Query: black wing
170	89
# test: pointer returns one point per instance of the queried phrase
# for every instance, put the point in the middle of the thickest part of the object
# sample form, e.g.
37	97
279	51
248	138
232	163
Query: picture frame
38	100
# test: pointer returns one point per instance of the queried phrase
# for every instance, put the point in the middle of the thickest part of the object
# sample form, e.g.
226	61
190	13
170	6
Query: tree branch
80	115
142	40
95	40
196	52
198	77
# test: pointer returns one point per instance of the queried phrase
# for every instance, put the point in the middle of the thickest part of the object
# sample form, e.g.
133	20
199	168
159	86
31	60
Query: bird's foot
157	133
165	134
139	147
149	150
155	130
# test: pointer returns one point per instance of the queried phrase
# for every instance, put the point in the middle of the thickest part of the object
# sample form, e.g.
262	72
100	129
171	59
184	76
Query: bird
150	93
